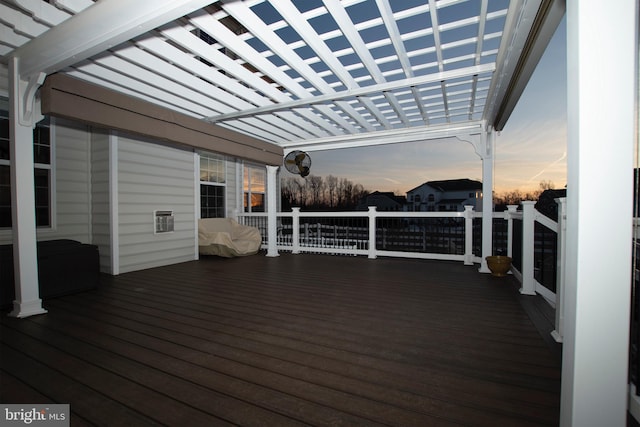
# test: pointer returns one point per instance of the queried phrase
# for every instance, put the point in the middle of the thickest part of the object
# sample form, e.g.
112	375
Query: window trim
210	155
51	168
247	191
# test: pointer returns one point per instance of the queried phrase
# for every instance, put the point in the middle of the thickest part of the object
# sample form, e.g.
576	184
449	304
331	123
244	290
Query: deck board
292	340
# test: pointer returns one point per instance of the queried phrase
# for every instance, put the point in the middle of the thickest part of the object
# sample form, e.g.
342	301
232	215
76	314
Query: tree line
320	193
317	193
514	197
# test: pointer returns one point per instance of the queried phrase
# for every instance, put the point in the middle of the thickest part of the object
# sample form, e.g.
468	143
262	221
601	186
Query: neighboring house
383	201
444	196
547	204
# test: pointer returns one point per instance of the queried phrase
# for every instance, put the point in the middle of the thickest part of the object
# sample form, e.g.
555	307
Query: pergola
327	74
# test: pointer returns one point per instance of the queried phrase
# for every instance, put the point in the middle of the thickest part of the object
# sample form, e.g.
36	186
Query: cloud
564	156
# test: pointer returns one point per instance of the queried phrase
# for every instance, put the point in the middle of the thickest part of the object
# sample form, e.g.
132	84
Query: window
254	189
42	170
212	185
431	198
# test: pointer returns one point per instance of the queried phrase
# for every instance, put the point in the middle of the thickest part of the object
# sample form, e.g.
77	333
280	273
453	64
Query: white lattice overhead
299	73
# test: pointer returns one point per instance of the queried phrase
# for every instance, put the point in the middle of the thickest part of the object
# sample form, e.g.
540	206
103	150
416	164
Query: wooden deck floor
292	340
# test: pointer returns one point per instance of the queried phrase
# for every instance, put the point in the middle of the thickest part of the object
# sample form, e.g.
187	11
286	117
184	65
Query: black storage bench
64	267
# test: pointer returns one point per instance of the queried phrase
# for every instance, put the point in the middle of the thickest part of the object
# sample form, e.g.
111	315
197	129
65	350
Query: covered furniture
225	237
64	267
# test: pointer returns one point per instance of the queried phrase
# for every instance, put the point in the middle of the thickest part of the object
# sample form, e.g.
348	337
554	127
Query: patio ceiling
304	74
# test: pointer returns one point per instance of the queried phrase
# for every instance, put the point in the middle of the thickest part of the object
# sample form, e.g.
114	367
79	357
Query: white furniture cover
227	238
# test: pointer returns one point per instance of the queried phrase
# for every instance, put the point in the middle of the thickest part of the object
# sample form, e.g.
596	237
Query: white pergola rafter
392	28
478	55
364	91
348	29
310	36
246	17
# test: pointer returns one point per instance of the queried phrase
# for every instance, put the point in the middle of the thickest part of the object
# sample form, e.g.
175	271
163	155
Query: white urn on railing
499	265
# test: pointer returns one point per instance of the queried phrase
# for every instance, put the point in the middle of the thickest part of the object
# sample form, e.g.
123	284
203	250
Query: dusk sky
530	149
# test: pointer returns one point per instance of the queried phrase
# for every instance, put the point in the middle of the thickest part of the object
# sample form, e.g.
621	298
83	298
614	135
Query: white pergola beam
104	25
384	137
525	39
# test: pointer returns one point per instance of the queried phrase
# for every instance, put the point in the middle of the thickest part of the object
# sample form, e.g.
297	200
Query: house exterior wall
72	171
154	177
105	188
71	186
100	197
233	191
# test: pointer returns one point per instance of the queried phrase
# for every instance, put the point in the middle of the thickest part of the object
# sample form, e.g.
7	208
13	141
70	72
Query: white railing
425	235
407	234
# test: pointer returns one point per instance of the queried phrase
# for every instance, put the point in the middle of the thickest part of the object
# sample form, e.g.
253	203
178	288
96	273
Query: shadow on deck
292	340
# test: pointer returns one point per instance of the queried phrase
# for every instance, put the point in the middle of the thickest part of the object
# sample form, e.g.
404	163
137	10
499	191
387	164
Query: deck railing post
511	210
295	232
468	235
528	244
558	332
372	232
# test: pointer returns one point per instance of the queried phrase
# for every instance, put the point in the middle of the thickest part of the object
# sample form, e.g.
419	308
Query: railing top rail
546	221
360	214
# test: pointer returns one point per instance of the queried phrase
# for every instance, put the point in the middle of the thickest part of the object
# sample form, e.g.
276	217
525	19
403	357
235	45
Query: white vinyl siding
233	204
100	196
70	185
71	169
154	177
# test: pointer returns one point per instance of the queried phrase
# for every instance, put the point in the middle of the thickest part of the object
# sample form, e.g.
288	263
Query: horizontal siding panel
180	212
100	200
76	176
143	233
154	177
175	246
164	169
73	177
71	219
169	187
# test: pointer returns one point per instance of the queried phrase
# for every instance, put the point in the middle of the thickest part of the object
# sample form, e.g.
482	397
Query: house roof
303	74
389	195
463	184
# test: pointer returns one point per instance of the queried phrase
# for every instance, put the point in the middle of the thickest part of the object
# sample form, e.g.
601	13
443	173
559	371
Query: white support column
602	69
272	208
487	155
528	246
468	235
23	216
484	144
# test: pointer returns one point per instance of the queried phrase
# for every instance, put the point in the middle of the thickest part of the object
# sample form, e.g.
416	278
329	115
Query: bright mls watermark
34	415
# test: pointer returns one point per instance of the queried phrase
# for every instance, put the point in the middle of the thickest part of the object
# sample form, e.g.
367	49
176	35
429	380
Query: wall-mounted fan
298	162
